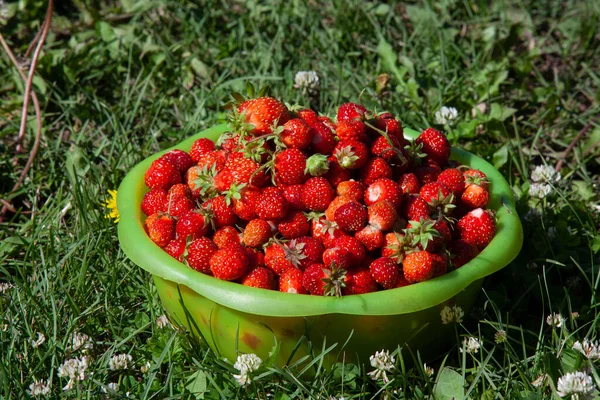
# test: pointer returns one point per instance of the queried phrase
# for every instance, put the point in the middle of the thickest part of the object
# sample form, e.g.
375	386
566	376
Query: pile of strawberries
292	201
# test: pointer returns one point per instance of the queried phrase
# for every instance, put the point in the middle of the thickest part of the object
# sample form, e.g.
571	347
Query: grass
119	81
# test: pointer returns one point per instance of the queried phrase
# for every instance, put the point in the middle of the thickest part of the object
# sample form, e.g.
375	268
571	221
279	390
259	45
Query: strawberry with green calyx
219	211
351	154
260	277
229	263
199	253
477	227
324	230
476	177
309	248
201	181
290	281
317	165
262	113
276	258
395	246
423	235
440	200
334	280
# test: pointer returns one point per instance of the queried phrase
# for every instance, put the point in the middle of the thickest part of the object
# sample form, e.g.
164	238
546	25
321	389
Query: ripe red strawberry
307	250
199	253
241	170
154	201
336	203
375	169
477	228
351	154
350	112
462	252
352	189
371	237
244	200
402	281
453	179
392	126
271	204
435	145
418	266
293	195
382	215
257	233
297	134
360	282
229	264
351	130
338	256
200	147
475	196
180	159
351	216
294	225
323	140
179	190
409	183
384	189
176	249
261	278
443	228
336	173
440	264
312	279
256	258
162	230
476	177
289	167
162	175
192	223
326	231
216	158
433	191
415	208
385	272
354	247
276	258
227	236
290	281
179	205
395	245
263	112
389	148
221	212
325	120
317	193
426	174
308	116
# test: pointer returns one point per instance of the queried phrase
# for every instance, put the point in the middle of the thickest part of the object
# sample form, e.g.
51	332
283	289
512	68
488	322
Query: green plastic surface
232	316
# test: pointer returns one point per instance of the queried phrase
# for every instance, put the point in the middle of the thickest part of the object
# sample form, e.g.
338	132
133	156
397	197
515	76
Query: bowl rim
416	297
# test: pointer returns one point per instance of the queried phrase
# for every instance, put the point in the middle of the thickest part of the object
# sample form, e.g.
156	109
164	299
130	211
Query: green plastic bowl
235	319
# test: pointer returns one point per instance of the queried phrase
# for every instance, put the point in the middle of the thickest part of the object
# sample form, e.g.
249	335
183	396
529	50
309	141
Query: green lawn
120	80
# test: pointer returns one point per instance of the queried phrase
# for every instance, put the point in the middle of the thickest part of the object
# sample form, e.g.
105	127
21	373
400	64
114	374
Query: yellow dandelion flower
111	204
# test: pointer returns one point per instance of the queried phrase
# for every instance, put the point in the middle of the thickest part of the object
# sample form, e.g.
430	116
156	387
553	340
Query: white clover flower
383	363
39	388
545	174
471	345
500	336
163	321
452	314
588	348
539	190
246	364
74	369
575	384
541	380
307	81
80	341
596	207
39	341
5	286
446	115
120	361
428	370
145	368
555	320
